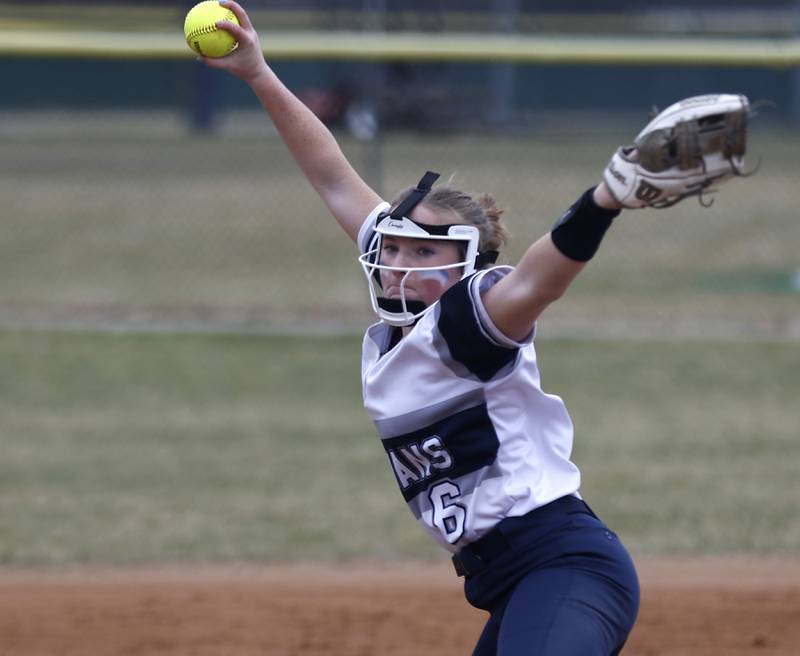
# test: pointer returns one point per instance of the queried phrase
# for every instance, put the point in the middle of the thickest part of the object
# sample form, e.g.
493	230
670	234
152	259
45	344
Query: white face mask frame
408	311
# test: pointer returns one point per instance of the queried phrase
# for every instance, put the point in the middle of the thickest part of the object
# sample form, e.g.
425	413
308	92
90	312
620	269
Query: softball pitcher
480	452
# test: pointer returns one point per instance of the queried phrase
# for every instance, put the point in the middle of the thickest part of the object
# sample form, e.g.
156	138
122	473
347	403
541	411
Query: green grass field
126	446
121	448
122	218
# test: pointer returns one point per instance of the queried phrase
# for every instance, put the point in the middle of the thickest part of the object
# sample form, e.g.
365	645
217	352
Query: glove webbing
684	145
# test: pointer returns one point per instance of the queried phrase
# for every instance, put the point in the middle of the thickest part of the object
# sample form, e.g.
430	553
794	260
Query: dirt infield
708	607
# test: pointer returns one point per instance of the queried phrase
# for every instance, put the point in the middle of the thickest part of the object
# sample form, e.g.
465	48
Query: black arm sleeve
578	233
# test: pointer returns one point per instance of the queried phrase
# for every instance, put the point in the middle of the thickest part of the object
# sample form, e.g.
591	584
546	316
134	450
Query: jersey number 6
448	516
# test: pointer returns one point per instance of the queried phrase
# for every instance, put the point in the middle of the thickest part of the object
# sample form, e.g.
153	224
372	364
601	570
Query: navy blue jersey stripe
419	419
455	446
468	345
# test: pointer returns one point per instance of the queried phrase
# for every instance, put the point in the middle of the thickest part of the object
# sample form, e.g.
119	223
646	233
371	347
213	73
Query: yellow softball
201	30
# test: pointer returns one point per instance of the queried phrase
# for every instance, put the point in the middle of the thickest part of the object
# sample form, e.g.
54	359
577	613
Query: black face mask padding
396	305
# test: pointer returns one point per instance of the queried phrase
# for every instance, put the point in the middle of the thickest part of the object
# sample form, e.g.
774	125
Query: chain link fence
118	212
131	221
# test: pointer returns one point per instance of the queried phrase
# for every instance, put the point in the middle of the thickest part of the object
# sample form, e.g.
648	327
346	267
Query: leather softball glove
686	150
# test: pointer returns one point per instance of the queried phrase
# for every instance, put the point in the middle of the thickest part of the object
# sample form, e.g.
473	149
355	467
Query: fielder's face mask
403	311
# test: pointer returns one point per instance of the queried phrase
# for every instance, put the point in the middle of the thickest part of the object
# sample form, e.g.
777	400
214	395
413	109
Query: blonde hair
480	210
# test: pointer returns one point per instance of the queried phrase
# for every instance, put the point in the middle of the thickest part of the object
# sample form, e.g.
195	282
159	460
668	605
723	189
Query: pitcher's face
425	286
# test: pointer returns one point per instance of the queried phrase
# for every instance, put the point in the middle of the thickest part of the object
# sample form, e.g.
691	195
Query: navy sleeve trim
480	283
467	342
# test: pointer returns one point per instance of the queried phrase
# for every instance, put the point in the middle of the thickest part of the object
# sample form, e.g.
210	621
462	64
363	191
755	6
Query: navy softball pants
556	582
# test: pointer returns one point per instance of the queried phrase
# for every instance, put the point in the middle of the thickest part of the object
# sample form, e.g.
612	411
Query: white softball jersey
468	431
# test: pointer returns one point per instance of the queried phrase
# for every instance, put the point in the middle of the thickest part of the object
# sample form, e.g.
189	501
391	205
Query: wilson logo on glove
647	193
686	150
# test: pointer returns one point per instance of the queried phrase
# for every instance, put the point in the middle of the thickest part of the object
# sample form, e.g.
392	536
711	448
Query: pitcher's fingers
240	13
236	31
